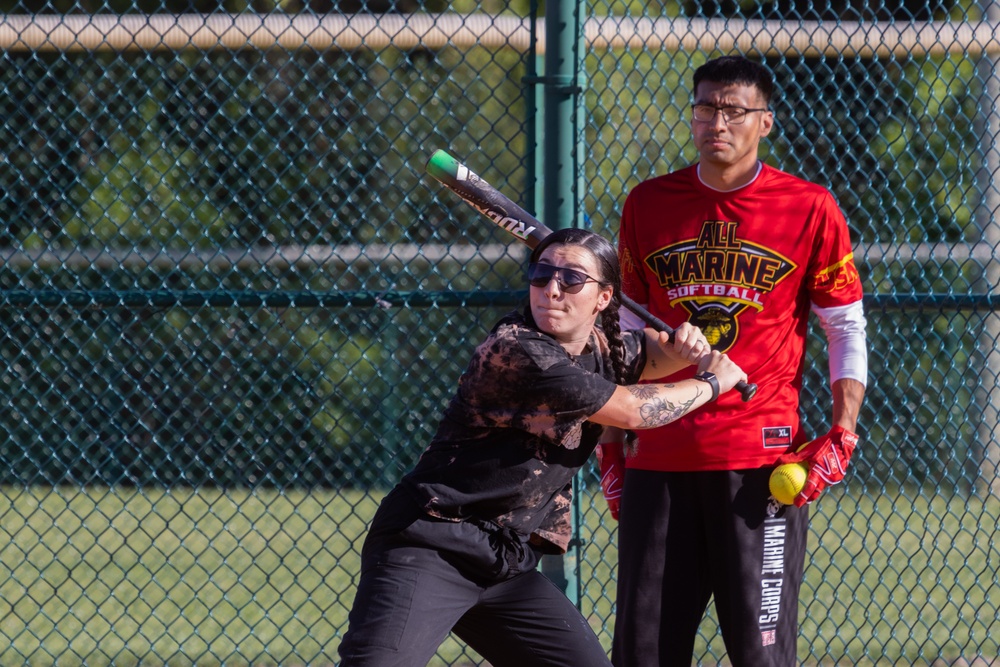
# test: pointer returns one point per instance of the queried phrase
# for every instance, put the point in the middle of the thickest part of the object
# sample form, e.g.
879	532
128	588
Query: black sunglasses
570	281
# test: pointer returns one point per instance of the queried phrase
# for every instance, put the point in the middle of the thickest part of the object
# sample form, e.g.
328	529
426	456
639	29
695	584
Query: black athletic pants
687	537
422	578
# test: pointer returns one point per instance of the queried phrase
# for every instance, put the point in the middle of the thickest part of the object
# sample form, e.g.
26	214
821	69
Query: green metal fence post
560	122
989	395
560	189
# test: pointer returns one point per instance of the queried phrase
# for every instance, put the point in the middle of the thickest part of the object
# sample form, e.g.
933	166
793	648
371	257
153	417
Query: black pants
422	578
687	537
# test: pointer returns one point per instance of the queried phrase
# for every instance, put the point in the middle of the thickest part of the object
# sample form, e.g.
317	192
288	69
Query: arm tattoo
645	391
657	411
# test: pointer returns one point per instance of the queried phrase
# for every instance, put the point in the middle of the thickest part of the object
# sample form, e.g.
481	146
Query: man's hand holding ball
825	460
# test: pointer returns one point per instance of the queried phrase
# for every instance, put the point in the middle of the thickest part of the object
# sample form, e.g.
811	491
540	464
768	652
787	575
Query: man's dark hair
737	70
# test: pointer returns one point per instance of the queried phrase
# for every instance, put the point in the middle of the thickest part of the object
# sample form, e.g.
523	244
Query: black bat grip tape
747	390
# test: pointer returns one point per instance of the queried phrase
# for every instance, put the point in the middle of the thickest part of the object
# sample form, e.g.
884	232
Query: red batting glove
611	457
827	458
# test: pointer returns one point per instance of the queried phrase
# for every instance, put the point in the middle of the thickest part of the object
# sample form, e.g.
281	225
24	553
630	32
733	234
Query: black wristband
710	378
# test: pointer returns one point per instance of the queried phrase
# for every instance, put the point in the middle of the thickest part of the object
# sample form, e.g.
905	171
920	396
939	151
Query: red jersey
744	267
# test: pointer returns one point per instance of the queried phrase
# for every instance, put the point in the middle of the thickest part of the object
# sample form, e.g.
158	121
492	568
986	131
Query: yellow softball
787	481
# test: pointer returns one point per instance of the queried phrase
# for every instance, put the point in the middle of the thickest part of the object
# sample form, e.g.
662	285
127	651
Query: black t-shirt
516	431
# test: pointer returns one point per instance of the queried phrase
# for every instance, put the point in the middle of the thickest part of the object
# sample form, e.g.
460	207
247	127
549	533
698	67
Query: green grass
127	577
891	579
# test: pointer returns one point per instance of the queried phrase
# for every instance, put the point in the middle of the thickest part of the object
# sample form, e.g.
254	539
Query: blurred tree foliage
221	171
217	171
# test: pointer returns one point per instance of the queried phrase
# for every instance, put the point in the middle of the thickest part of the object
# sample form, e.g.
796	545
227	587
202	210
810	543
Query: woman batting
454	546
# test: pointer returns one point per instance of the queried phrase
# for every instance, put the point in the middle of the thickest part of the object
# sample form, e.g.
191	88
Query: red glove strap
827	457
830	463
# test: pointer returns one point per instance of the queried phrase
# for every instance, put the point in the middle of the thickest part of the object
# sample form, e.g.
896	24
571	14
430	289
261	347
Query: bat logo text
511	225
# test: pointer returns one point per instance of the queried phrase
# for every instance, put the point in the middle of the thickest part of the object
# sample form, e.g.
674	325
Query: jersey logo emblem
717	323
717	276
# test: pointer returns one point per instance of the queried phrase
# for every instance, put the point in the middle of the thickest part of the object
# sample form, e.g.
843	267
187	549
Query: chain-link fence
233	305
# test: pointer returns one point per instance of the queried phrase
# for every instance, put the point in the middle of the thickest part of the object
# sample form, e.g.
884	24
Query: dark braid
611	324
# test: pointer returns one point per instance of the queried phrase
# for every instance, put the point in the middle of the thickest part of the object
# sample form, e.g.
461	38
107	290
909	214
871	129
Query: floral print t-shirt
516	431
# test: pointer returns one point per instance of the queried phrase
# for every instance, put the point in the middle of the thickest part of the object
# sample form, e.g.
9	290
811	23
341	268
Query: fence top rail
141	32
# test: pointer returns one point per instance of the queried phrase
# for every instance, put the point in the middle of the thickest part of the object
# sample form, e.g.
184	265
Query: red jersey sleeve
629	255
832	277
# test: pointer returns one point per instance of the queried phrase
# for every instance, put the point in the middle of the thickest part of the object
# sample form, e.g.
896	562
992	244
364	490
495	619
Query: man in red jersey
745	252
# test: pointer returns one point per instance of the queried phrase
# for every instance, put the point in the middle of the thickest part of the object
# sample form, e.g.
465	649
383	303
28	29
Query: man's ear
766	123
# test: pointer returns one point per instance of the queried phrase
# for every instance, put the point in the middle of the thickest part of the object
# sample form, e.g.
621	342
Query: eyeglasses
570	281
732	115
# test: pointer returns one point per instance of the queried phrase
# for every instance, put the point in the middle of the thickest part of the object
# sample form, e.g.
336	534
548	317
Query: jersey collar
760	167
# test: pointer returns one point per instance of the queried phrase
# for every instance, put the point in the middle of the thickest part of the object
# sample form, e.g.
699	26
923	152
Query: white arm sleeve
845	334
